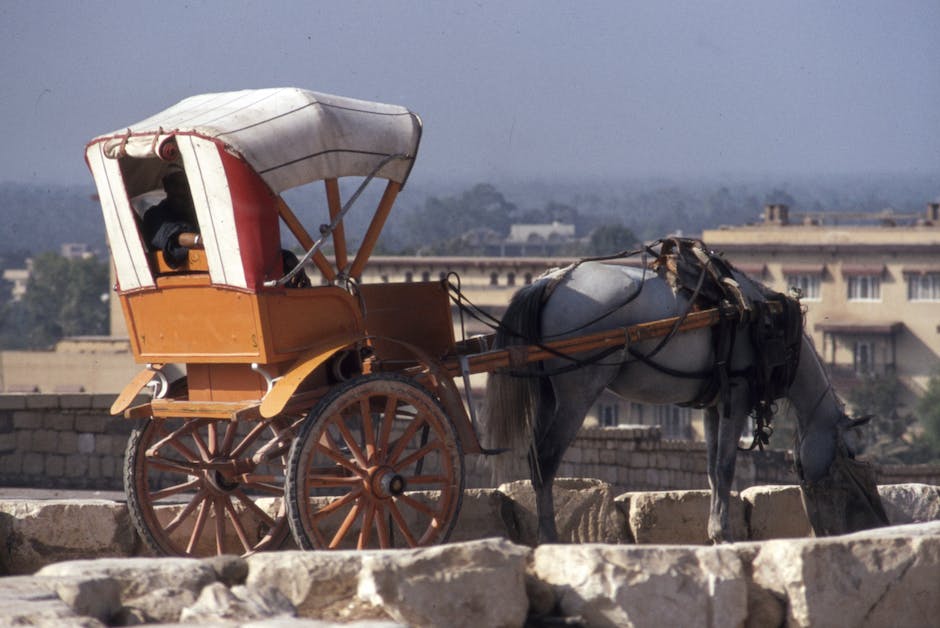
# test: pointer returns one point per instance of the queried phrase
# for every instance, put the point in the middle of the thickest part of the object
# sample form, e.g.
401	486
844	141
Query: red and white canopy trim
238	150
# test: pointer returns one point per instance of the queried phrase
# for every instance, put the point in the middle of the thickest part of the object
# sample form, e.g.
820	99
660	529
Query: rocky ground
636	559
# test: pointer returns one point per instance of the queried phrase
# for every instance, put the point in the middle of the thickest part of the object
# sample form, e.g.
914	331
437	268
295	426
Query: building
870	284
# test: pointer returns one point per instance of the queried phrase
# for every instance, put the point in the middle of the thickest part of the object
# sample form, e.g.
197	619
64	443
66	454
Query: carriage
334	411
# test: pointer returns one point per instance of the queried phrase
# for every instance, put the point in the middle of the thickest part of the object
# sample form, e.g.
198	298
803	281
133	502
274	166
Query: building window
923	287
865	288
528	279
864	357
610	415
808	285
494	279
511	279
384	278
409	276
426	276
673	420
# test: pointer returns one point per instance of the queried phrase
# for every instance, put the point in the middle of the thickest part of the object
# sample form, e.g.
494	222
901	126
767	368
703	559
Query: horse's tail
512	400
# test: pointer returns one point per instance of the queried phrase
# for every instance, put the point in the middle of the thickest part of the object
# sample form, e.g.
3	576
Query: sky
506	90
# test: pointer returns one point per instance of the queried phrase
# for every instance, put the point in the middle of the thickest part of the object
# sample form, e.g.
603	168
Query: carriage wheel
377	464
200	487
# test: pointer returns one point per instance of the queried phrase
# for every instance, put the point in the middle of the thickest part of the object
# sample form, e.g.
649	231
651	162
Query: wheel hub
385	483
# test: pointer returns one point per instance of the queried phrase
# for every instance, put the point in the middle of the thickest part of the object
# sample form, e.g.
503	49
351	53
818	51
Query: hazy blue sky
505	89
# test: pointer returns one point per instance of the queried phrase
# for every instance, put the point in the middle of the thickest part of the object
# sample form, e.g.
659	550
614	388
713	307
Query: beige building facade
870	285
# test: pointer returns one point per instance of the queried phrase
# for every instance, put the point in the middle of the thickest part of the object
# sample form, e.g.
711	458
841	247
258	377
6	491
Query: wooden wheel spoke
345	526
186	511
417	505
264	483
236	522
405	438
423	480
231	431
388	422
381	526
187	467
254	508
418	455
248	439
336	504
368	429
219	525
172	439
354	448
213	439
336	457
198	527
402	524
176	489
332	481
368	517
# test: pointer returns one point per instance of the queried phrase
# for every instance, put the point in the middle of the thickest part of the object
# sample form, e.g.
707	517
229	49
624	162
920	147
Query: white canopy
289	136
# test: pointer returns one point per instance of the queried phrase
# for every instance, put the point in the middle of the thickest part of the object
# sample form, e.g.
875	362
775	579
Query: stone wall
70	441
61	441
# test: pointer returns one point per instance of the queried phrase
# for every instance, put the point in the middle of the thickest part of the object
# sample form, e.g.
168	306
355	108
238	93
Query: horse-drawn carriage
329	409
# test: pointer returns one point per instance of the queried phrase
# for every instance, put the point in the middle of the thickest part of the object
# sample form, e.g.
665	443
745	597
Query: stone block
33	464
91	423
139	576
27	601
75	401
481	582
676	516
885	577
68	443
76	466
27	420
585	512
11	464
7	442
86	443
6	422
44	532
606	585
484	513
776	512
55	466
42	401
58	421
910	503
11	401
45	441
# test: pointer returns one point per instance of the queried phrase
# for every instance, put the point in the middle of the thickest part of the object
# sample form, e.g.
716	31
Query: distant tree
442	219
928	413
609	239
891	435
64	297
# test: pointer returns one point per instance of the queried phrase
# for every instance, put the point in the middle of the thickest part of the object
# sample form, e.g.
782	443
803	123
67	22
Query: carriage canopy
240	150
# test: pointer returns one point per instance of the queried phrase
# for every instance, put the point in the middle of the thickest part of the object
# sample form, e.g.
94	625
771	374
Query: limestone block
608	585
677	516
28	601
162	605
320	585
585	512
139	576
884	577
910	503
218	602
776	512
90	596
484	513
44	532
479	583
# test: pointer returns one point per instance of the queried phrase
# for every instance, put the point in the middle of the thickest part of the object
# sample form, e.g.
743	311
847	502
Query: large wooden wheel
377	464
200	487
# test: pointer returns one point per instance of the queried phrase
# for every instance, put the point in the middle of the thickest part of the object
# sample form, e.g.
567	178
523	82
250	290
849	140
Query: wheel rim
199	487
376	465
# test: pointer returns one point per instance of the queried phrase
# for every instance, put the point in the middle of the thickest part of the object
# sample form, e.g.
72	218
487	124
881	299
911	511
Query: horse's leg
560	414
722	434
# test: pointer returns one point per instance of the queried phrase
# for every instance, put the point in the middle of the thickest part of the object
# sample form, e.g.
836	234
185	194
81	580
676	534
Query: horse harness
774	323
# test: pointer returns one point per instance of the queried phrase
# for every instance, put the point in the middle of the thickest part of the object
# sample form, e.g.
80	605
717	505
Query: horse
542	408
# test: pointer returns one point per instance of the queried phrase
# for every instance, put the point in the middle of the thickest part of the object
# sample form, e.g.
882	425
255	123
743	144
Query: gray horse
543	410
